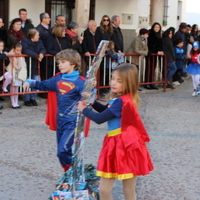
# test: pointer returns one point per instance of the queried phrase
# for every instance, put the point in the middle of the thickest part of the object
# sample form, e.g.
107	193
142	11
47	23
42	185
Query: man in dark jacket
88	44
117	36
44	28
26	23
45	33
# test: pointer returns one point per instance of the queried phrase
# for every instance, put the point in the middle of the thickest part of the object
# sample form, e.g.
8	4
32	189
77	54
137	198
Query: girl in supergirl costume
124	154
67	86
194	67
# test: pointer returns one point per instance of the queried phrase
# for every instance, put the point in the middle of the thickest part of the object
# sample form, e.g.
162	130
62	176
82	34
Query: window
57	7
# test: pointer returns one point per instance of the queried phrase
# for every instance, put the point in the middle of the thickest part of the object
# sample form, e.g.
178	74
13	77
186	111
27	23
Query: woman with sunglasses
104	31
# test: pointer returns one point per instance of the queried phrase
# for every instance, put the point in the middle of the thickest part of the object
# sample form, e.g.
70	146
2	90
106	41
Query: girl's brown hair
129	78
111	46
57	30
70	55
108	28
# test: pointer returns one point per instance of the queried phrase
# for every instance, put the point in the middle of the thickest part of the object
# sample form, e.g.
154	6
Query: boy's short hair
143	31
178	41
70	55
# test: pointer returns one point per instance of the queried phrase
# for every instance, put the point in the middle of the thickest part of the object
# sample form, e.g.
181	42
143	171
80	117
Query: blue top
68	88
110	112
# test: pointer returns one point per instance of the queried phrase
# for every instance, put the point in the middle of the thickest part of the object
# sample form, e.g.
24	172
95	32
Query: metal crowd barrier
152	70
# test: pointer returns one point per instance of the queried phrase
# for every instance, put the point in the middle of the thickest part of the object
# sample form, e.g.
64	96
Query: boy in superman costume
68	86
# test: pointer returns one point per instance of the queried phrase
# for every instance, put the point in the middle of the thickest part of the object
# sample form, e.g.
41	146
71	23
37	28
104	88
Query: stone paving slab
29	167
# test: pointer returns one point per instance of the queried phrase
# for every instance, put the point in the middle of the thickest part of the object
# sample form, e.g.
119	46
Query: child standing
124	154
116	58
17	69
194	67
112	60
179	56
68	86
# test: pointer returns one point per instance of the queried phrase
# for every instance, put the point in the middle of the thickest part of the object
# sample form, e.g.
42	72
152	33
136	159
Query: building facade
135	14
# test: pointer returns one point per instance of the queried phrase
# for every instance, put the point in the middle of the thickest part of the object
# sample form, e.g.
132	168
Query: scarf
70	33
73	75
19	34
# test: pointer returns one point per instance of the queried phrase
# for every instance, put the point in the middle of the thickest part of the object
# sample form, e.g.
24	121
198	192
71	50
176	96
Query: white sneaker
176	83
194	94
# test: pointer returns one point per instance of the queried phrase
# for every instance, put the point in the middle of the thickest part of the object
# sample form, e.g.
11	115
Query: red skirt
115	161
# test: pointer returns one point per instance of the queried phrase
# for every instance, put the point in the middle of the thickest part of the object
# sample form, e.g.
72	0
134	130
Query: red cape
132	126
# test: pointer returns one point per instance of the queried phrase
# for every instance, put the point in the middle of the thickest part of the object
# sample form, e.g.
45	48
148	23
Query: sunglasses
106	20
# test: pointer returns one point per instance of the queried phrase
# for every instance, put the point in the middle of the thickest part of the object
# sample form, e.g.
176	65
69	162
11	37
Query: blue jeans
28	97
171	66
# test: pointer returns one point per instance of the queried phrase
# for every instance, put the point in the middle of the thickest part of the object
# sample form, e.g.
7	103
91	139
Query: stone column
157	9
82	9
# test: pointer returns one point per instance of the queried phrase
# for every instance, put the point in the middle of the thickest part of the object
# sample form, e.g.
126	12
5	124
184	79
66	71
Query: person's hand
81	106
41	56
121	53
26	86
160	53
87	54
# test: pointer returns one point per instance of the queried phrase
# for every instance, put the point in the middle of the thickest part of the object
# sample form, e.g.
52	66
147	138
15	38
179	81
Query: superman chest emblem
64	87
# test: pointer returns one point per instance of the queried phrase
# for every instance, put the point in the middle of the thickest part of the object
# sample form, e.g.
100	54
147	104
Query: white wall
137	8
34	8
119	7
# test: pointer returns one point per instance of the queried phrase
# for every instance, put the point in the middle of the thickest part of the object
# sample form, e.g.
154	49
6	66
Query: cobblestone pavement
29	166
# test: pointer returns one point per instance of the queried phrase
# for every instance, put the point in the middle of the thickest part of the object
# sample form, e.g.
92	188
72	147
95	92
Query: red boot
66	167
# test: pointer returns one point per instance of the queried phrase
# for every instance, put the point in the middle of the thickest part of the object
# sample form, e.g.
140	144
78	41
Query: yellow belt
114	132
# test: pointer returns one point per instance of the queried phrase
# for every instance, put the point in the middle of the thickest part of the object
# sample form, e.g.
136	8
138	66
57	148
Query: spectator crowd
23	38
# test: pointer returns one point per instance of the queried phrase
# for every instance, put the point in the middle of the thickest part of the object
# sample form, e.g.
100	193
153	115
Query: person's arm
99	107
46	85
109	113
99	118
113	56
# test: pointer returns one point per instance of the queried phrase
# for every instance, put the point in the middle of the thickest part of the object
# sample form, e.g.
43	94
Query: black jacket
4	61
28	25
117	38
4	37
168	49
88	44
75	44
32	49
99	35
57	44
154	42
44	34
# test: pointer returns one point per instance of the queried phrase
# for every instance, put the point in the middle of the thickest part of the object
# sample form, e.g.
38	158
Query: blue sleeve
99	118
113	56
99	107
112	112
46	85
